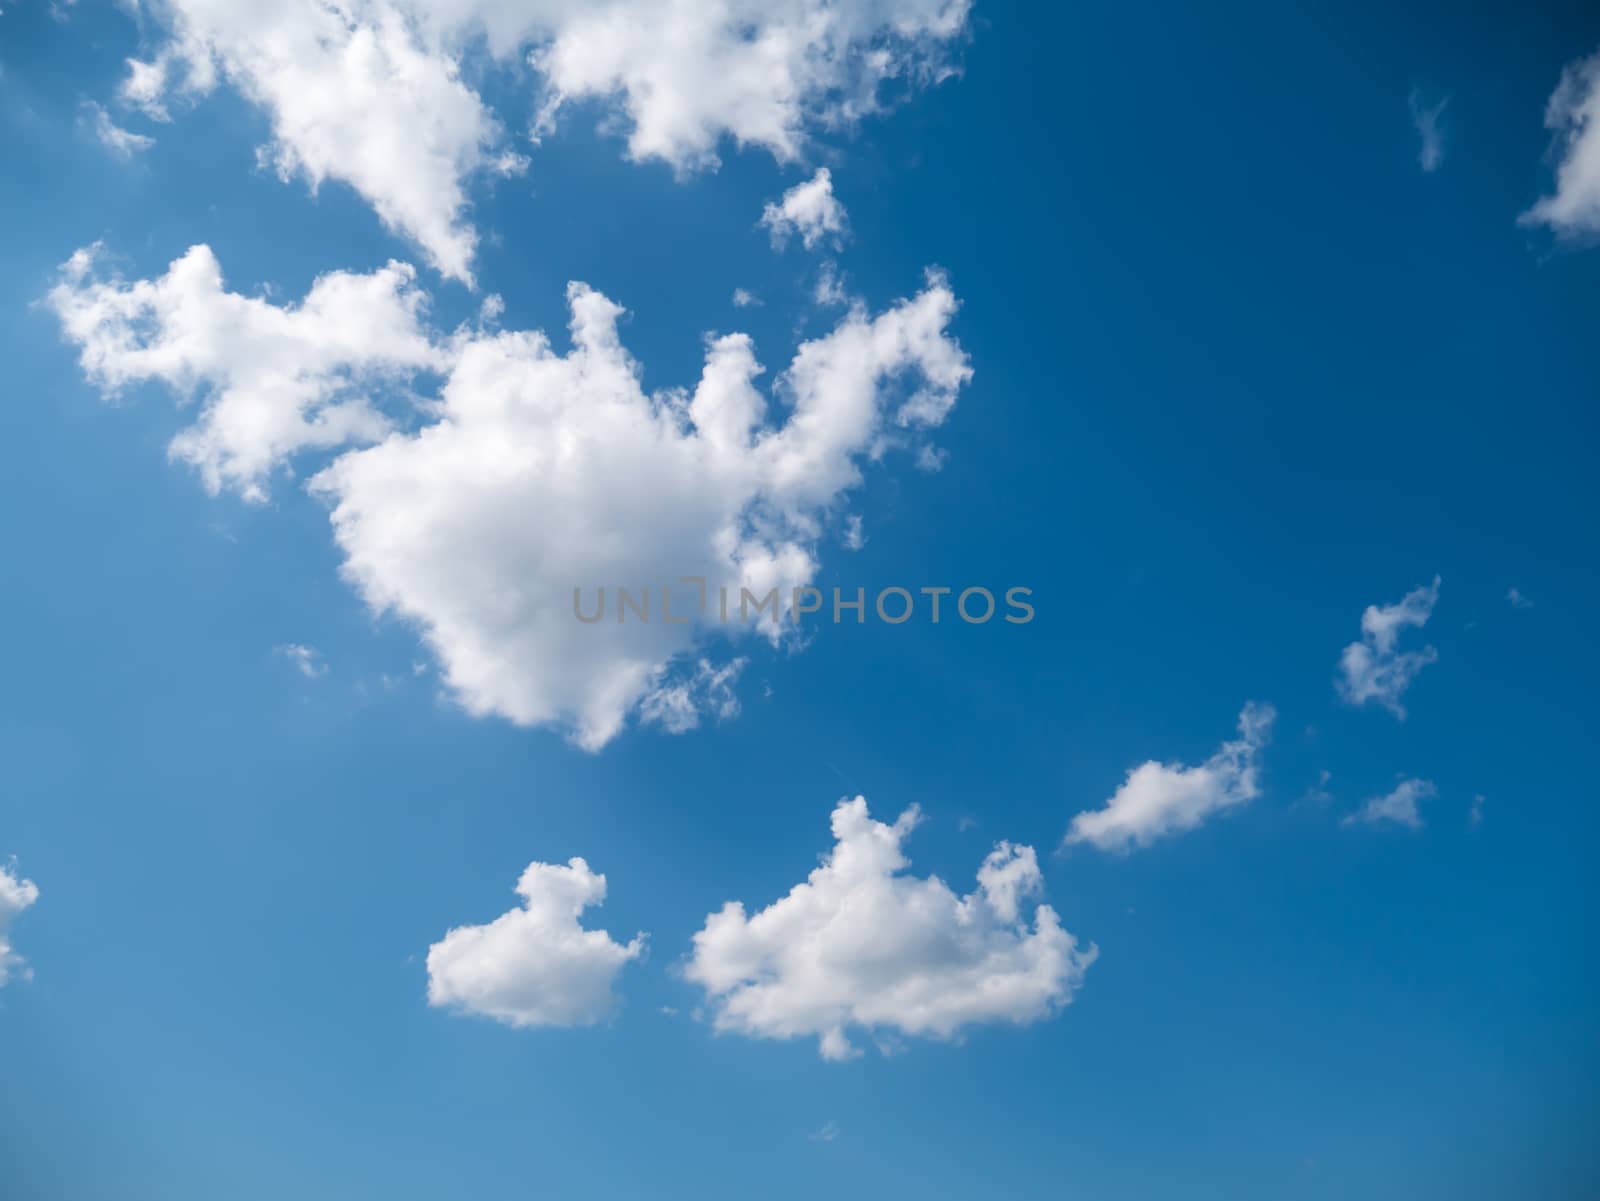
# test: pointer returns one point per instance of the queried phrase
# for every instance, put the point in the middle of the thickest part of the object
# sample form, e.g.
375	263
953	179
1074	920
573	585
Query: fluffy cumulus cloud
533	474
862	945
373	93
1398	807
16	894
535	965
809	209
271	380
1573	114
1375	668
1158	799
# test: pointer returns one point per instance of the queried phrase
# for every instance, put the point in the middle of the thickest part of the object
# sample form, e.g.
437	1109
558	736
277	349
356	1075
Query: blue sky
1240	368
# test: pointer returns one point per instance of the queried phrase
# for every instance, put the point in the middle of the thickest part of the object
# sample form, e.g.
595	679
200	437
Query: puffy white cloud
271	380
372	92
862	945
1399	806
353	95
549	473
1158	799
16	894
809	209
1573	114
535	965
533	473
123	143
1427	120
1375	669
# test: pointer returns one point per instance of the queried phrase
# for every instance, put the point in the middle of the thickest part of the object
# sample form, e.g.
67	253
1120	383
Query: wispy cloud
1398	807
307	660
123	143
1426	119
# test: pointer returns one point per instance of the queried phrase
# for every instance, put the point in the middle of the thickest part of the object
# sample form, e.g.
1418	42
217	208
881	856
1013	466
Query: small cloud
307	660
809	209
854	539
1475	814
829	1132
1518	601
830	290
1318	793
1158	799
1426	120
743	298
1573	211
535	965
1375	669
121	142
144	87
16	894
1398	807
678	704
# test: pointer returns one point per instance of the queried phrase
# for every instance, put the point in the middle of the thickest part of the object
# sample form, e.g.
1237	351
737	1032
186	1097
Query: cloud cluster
535	965
861	944
809	209
373	93
476	513
1375	669
1573	114
16	894
1158	799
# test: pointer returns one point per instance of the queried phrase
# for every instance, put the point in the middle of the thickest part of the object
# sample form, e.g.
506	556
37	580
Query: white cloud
373	93
862	945
535	965
809	209
121	142
1399	806
1375	669
532	472
143	88
1475	814
1518	600
271	380
854	537
1158	799
1426	119
307	660
353	95
678	706
827	1134
16	894
745	299
830	288
1573	114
